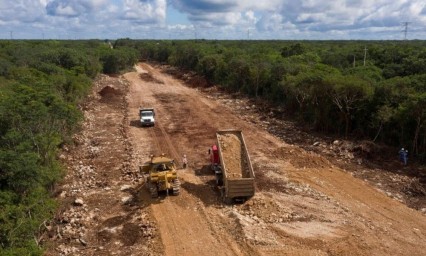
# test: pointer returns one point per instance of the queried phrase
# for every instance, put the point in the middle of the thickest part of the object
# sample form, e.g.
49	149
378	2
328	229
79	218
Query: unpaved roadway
304	205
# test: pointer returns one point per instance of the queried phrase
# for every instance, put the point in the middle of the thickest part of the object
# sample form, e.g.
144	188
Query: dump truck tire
219	181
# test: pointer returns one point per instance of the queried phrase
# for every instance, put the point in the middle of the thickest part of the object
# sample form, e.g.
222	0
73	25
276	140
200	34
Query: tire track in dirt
149	141
375	210
335	215
164	145
182	222
164	137
158	146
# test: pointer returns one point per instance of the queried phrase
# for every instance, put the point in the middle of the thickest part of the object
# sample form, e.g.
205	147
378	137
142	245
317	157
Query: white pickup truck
147	116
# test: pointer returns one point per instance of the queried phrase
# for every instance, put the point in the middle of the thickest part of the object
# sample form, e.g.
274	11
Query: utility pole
405	24
248	34
354	60
11	35
365	53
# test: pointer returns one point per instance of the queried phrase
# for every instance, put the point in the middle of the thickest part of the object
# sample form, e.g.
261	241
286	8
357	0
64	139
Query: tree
347	94
310	89
117	59
186	56
209	66
382	117
293	49
239	75
259	75
414	107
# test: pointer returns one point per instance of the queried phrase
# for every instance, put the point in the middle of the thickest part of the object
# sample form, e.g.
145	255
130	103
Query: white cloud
145	11
264	18
21	10
72	8
272	22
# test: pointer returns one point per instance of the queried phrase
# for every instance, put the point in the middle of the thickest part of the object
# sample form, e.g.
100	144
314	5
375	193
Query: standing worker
405	157
184	161
401	154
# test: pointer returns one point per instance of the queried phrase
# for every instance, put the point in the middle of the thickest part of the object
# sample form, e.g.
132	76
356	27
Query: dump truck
160	175
147	116
231	164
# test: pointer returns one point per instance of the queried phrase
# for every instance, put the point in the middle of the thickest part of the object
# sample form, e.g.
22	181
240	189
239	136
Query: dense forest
372	90
42	84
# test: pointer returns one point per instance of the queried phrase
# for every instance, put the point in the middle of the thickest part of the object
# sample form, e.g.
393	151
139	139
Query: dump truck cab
215	164
147	116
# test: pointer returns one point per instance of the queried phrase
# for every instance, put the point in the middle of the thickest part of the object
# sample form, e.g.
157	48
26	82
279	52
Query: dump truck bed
238	175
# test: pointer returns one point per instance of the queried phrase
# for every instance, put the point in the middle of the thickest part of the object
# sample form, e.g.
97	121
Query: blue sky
213	19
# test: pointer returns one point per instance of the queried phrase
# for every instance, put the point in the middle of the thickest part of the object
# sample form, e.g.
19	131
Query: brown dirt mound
301	159
109	91
148	77
130	234
190	78
110	95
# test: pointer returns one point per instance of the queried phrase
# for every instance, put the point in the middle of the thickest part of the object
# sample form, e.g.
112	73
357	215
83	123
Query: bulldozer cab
162	167
158	164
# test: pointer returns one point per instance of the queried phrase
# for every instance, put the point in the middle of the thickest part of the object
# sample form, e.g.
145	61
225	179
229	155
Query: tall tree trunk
416	136
347	122
378	132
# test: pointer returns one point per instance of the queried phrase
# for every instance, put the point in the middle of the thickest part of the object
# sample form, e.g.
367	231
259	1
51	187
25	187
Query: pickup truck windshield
146	113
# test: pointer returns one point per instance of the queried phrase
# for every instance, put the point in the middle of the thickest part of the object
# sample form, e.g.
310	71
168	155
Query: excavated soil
236	164
315	198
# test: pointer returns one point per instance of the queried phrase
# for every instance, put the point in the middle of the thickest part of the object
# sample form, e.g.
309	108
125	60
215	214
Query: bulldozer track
176	187
163	142
158	148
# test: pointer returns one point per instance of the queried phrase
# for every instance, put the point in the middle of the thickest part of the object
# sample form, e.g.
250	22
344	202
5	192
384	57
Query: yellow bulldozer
160	175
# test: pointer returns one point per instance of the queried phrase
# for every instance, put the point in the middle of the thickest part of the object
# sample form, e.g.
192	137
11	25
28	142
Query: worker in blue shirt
403	156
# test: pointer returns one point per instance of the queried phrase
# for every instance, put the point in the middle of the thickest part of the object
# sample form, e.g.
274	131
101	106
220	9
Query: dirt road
304	205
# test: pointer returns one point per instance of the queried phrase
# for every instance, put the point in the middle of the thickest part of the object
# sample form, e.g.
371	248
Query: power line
405	25
365	53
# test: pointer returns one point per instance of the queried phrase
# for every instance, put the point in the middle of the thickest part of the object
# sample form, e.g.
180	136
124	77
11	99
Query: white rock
126	199
125	187
78	202
63	194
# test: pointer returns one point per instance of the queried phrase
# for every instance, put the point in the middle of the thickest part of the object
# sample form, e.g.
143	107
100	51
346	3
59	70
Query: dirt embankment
99	214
